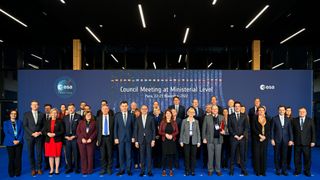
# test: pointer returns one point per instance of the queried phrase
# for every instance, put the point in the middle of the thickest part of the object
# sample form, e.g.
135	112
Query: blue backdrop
288	87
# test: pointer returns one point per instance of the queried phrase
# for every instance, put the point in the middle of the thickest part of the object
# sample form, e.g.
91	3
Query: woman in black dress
168	131
261	134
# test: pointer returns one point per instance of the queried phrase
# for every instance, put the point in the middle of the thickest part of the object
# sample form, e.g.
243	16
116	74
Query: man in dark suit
181	110
81	111
105	127
199	111
230	106
47	109
33	122
123	130
71	122
157	116
99	112
144	135
304	138
281	136
238	127
215	103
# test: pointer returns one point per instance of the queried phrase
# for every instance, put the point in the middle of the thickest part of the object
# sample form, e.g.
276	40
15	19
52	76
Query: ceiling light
154	65
10	16
293	35
142	16
38	57
186	36
62	1
210	65
316	60
180	56
1	41
33	66
278	65
93	35
46	61
123	68
87	64
250	61
257	16
214	2
114	58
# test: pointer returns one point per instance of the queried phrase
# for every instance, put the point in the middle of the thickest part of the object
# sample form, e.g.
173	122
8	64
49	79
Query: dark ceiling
54	24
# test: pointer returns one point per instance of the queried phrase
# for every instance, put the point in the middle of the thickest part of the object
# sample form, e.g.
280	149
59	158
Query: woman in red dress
53	131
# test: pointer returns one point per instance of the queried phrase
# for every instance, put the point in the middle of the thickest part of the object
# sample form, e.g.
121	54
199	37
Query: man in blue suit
144	134
123	131
71	122
281	136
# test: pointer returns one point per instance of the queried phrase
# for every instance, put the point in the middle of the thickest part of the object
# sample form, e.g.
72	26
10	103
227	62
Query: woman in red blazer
168	131
86	138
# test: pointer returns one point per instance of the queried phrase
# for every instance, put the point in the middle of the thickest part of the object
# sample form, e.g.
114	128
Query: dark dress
169	146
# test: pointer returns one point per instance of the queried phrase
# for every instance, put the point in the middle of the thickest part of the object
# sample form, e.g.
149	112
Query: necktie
177	108
197	111
237	116
35	117
125	119
70	121
144	121
47	117
106	128
301	123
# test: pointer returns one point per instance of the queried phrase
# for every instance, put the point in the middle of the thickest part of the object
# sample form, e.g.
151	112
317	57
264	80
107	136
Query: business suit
87	150
124	133
303	136
105	127
211	132
181	111
144	134
13	131
281	134
58	130
260	148
190	140
240	128
30	126
72	150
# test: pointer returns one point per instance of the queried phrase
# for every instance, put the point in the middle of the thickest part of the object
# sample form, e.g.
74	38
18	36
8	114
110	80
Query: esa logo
65	87
267	87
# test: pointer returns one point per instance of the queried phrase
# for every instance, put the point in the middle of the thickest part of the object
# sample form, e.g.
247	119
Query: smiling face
13	115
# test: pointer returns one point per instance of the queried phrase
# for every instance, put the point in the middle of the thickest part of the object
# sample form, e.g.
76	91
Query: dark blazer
9	136
200	114
58	130
122	132
100	128
99	113
30	126
74	124
182	111
257	129
307	135
279	133
162	129
81	131
239	127
149	132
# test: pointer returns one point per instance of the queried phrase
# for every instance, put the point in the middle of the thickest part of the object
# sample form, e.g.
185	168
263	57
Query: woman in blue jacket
13	131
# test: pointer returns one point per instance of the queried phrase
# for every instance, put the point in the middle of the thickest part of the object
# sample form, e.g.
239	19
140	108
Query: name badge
217	127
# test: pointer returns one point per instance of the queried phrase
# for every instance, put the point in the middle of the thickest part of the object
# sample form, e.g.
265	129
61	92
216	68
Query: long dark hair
164	118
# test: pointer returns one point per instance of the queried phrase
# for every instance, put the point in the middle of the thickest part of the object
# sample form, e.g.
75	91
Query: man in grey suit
211	135
33	122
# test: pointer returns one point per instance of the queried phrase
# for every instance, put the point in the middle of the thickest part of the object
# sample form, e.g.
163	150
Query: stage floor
200	172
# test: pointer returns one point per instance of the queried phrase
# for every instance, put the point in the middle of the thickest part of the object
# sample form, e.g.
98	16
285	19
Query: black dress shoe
102	172
109	171
193	174
68	171
296	173
141	174
284	173
245	173
308	174
231	173
278	173
51	173
150	174
120	173
129	173
77	171
57	173
186	173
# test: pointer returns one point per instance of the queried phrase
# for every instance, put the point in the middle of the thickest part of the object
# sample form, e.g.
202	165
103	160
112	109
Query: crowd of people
148	138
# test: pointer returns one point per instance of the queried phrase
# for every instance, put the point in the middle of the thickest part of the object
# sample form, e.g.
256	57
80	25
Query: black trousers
106	152
72	153
14	161
234	145
145	155
289	156
190	156
225	153
260	156
157	153
280	156
300	150
35	144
